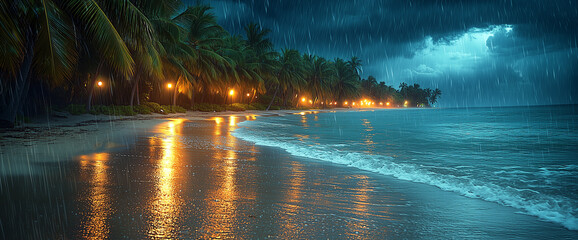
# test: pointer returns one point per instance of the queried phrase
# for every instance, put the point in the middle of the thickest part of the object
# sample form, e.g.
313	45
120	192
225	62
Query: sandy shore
161	176
53	139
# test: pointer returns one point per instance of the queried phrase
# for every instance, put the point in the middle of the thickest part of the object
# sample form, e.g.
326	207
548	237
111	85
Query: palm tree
435	94
41	45
346	81
290	72
355	64
267	58
205	37
244	66
319	75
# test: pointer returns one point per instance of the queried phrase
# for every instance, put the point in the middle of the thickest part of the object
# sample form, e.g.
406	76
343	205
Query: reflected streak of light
362	194
251	117
360	206
96	225
218	121
304	121
369	134
165	205
292	202
232	121
222	200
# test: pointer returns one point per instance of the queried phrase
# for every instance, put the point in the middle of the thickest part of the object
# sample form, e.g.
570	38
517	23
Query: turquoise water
520	157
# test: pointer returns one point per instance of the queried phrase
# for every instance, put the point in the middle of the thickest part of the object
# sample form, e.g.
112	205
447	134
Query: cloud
475	49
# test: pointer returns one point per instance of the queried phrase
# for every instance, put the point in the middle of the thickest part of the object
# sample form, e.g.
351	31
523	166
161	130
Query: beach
186	176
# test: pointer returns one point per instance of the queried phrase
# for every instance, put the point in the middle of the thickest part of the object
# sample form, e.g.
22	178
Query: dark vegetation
120	57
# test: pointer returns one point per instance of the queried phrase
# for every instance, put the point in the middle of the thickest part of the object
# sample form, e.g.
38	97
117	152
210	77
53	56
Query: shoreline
196	180
61	138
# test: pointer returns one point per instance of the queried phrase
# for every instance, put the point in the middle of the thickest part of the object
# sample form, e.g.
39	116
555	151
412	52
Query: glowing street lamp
248	94
387	104
303	99
99	83
232	92
170	85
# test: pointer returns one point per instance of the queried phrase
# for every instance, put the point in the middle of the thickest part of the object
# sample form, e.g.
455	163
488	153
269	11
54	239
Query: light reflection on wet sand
290	228
222	199
166	202
194	180
95	223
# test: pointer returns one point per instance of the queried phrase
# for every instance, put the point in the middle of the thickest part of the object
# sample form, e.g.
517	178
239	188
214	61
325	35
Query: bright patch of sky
436	59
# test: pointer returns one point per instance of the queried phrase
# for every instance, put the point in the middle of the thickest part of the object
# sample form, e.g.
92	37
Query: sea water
520	157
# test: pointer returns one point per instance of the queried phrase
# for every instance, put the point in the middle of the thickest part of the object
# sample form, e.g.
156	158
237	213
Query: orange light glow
96	221
387	103
170	85
310	101
232	92
248	94
345	103
353	104
99	83
302	99
380	103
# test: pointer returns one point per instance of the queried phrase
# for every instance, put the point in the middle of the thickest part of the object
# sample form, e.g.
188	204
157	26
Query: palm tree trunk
253	97
91	85
134	90
273	99
175	96
13	93
137	95
192	98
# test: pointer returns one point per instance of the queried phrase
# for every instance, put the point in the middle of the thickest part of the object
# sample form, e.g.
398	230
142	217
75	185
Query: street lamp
99	83
169	86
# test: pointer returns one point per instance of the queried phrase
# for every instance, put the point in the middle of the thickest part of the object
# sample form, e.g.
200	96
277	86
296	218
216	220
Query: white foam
551	208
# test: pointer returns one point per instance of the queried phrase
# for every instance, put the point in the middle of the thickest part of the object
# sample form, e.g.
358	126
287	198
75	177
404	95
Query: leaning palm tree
355	64
263	47
41	44
289	73
346	81
320	74
204	36
245	66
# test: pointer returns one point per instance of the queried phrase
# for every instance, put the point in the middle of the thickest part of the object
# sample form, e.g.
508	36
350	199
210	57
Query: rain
289	119
490	47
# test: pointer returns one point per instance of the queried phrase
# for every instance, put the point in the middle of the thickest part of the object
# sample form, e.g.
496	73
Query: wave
556	209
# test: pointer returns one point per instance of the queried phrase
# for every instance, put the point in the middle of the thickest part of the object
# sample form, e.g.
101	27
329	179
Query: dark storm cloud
533	61
395	27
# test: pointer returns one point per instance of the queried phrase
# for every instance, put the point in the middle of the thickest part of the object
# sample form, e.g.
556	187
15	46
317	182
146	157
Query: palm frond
12	44
55	49
103	34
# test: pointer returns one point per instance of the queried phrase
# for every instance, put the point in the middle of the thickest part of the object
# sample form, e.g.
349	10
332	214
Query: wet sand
192	180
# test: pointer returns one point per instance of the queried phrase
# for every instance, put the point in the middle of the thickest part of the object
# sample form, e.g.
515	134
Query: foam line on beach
546	207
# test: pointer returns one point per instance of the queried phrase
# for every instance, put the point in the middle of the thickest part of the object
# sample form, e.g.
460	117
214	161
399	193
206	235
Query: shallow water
523	157
193	179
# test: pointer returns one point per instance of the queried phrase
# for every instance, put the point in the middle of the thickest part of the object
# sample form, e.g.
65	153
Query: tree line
125	52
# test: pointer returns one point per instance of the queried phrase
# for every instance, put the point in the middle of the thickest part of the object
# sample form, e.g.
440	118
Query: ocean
525	158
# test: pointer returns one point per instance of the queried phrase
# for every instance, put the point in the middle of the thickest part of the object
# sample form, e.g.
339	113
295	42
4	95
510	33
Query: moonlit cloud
480	53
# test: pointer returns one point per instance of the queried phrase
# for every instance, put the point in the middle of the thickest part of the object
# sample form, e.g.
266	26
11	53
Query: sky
478	52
